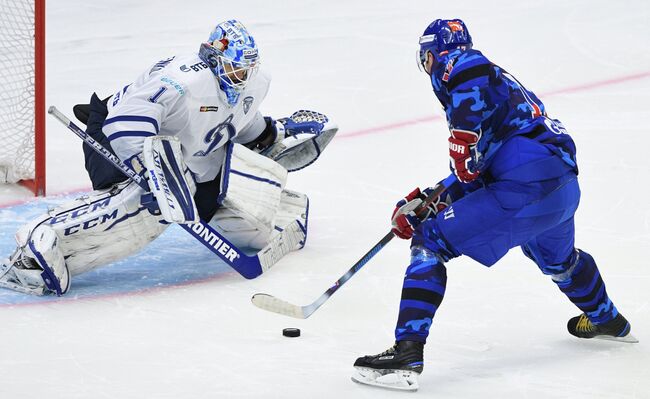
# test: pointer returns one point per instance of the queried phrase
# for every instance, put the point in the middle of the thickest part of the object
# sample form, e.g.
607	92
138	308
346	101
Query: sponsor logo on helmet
250	54
233	33
455	26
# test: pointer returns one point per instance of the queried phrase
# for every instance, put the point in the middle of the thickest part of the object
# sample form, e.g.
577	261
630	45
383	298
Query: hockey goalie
190	126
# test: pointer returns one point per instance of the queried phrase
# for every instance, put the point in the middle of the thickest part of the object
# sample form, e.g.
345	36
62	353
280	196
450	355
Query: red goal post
22	104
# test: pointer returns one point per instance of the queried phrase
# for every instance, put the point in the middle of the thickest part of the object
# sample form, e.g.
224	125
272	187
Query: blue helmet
231	54
444	35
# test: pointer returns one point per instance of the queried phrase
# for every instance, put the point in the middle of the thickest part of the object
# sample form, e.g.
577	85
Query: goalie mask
231	54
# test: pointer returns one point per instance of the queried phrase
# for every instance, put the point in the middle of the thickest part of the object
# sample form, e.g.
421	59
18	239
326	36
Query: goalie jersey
180	96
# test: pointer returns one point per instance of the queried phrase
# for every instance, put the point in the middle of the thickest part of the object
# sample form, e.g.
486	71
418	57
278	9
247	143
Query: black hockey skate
395	368
617	329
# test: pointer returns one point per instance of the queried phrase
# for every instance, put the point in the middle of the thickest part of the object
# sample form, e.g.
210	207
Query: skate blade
399	380
629	338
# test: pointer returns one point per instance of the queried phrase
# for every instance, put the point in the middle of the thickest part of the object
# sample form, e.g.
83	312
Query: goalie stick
248	266
276	305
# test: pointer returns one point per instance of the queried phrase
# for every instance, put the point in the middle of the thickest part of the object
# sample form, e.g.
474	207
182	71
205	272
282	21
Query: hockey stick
248	266
276	305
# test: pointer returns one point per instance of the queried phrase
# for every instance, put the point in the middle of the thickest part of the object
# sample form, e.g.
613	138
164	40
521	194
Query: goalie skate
27	280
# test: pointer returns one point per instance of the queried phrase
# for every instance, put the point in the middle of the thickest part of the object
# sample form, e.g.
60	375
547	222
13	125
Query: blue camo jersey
482	97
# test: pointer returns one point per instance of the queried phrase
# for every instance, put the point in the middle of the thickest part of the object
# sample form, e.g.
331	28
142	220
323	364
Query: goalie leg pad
100	227
241	232
294	207
290	233
251	190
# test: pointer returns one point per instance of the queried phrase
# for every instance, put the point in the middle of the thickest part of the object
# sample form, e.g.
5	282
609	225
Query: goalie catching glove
299	139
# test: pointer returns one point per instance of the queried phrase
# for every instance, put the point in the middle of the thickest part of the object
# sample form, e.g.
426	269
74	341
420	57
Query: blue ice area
173	259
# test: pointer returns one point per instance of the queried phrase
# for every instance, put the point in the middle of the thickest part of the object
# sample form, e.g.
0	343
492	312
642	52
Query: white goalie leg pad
289	229
290	232
251	190
101	227
105	226
294	207
169	179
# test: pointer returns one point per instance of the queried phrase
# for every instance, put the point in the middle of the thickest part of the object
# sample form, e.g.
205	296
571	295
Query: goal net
22	94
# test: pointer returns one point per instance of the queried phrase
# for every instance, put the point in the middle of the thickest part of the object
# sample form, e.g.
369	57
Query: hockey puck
291	332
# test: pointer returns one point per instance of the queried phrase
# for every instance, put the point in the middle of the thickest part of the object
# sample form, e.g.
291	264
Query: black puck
291	332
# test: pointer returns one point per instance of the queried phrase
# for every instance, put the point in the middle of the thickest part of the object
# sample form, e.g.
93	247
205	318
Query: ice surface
172	322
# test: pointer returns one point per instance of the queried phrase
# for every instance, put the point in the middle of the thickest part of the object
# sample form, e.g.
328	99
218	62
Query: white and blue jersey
180	96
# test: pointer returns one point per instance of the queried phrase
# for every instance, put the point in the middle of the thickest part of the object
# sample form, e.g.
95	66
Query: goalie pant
530	202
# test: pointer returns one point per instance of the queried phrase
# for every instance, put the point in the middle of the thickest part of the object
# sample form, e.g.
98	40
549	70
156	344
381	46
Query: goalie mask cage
22	103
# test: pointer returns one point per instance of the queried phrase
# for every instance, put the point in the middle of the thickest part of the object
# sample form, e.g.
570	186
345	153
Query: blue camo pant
485	224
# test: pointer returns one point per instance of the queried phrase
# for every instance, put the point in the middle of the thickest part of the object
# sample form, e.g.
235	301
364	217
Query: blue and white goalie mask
231	54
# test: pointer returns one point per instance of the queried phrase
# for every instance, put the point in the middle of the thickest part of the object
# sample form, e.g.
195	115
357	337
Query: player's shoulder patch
448	68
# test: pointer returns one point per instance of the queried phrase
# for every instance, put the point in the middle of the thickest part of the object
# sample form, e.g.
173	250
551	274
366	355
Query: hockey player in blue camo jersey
195	119
516	185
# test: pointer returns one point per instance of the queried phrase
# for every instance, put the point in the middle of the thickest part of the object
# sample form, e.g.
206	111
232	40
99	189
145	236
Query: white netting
16	90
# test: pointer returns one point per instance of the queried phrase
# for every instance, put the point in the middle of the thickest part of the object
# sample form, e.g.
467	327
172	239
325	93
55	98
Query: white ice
500	332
